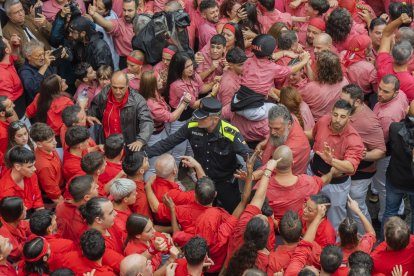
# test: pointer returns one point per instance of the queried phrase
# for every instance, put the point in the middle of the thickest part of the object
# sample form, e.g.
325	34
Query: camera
74	9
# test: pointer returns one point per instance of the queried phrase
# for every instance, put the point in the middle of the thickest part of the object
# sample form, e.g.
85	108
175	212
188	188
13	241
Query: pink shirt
266	71
160	110
117	7
298	143
136	81
252	131
364	74
392	111
346	145
229	85
321	97
385	66
177	89
50	8
267	19
357	29
205	32
122	34
206	64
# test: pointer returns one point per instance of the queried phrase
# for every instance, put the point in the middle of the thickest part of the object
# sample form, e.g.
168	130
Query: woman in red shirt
140	240
49	103
253	252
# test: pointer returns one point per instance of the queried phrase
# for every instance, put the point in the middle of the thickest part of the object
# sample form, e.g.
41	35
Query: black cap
209	106
263	45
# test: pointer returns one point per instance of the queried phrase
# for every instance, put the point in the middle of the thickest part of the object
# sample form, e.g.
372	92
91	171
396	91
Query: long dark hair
13	128
175	71
255	238
238	34
348	232
251	21
32	249
135	225
49	90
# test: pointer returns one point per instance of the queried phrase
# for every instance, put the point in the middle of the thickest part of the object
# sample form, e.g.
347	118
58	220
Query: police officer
215	144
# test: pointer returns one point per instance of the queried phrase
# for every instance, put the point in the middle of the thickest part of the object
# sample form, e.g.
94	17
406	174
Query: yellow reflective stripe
192	124
226	134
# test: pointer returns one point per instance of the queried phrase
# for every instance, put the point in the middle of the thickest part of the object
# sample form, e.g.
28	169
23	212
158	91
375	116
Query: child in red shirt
196	258
20	180
142	239
48	164
13	226
77	140
114	152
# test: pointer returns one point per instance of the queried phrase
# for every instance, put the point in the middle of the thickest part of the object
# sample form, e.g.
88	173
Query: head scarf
356	49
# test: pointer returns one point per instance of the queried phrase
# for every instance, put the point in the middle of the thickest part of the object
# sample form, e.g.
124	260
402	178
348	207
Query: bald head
119	85
134	264
321	42
173	6
285	154
165	166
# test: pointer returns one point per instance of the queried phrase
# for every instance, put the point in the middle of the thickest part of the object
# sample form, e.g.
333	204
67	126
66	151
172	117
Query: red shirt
8	269
346	145
325	235
137	246
366	244
69	221
113	240
111	170
54	114
122	34
71	165
30	194
80	265
385	66
120	223
163	186
215	225
181	269
16	235
4	139
58	248
10	83
298	143
49	173
141	205
63	130
236	240
229	85
385	260
285	198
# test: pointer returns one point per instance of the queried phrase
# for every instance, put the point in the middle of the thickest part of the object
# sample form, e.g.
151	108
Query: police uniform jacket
216	151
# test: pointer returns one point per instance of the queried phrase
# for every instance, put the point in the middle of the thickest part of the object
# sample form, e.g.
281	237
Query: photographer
51	8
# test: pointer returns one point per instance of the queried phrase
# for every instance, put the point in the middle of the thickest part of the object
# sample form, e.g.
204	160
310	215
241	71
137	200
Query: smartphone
38	10
57	53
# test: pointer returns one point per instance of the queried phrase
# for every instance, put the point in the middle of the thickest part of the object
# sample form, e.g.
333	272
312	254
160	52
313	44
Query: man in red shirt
397	249
73	115
135	164
7	115
77	140
288	191
397	62
94	164
20	180
114	152
91	257
43	223
336	144
136	264
48	164
69	220
284	130
196	258
164	183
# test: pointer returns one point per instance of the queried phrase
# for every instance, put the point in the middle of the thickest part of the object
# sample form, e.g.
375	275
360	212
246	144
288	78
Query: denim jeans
393	202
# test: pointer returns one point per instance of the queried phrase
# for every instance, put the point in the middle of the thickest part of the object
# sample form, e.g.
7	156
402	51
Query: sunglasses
17	125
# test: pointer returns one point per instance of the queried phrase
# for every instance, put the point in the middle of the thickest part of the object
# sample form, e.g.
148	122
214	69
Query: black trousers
228	194
20	106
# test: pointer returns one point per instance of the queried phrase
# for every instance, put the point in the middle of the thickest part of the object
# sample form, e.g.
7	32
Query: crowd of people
204	137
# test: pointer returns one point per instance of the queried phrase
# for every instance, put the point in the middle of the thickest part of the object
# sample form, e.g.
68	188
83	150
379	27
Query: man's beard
8	114
277	141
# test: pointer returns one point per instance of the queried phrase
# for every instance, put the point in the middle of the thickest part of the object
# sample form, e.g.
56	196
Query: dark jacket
399	171
136	121
97	52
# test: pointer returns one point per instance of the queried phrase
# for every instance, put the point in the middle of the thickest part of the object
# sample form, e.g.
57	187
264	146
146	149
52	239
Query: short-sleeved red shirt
31	195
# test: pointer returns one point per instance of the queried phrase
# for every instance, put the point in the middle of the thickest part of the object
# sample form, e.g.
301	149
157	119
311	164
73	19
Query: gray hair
9	3
406	33
165	165
122	188
280	111
401	52
31	45
390	78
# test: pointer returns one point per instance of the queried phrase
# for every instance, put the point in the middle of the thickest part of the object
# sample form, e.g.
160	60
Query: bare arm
98	19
